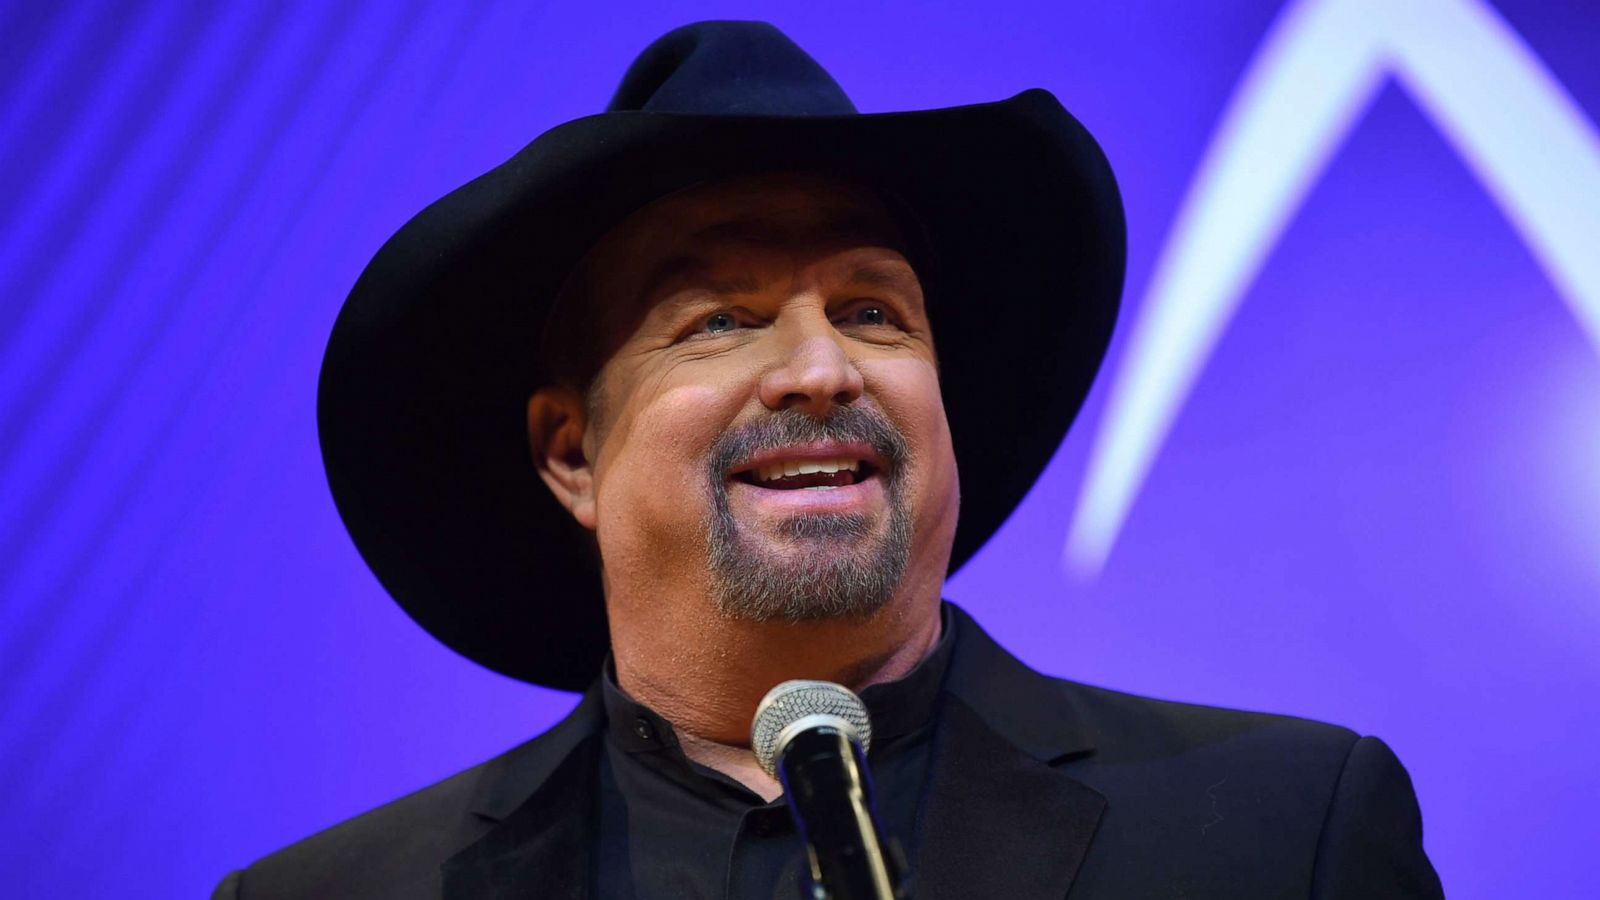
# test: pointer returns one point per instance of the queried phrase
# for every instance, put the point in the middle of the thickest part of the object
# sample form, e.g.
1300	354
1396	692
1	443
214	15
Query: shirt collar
897	707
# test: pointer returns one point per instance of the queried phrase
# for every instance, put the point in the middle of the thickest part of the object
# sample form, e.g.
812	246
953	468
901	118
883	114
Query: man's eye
717	323
869	315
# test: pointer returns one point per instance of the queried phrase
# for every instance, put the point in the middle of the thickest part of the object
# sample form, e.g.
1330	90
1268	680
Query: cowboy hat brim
423	391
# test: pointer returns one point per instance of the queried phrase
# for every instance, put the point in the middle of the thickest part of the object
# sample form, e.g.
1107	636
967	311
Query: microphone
813	737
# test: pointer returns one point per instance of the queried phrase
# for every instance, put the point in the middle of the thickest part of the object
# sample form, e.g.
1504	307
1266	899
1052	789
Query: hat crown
729	69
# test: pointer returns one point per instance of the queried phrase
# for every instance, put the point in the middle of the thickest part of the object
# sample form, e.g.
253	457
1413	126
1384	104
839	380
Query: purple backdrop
1344	461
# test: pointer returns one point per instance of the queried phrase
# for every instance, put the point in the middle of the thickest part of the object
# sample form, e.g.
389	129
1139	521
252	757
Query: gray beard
835	566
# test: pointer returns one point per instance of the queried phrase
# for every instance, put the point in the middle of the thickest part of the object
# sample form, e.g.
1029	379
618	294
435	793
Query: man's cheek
908	393
673	435
687	419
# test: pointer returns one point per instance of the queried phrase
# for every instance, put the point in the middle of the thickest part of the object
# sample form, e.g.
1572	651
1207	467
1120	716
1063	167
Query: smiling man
763	457
669	409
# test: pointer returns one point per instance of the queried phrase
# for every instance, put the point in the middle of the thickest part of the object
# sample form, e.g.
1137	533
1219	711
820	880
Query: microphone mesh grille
793	700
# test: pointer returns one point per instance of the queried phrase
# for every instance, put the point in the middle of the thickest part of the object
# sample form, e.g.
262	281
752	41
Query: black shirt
672	828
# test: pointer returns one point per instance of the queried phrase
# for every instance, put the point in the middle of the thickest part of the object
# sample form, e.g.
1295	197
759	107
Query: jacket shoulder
1253	804
396	850
1204	801
1125	724
1041	712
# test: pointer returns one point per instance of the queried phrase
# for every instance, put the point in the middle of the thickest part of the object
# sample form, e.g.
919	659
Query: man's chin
799	557
807	568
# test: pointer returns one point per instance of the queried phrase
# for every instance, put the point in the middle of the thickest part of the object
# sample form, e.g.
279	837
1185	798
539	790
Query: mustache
787	427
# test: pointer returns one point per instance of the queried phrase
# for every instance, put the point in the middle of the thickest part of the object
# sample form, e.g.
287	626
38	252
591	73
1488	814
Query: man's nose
813	374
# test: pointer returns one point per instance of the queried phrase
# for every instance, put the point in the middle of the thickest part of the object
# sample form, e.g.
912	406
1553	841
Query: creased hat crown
729	69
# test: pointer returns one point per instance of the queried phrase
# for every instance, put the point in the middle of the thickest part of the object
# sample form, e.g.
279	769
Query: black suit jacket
1037	787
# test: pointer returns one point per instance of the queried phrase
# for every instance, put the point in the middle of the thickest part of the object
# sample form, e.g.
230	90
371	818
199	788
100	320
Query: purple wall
1373	497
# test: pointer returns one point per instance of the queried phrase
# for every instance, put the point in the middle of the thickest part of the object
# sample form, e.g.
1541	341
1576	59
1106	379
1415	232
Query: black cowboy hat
423	392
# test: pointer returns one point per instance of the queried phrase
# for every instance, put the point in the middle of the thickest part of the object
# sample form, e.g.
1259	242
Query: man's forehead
720	262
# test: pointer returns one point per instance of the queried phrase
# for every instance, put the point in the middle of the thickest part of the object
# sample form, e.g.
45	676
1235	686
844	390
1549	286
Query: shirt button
641	727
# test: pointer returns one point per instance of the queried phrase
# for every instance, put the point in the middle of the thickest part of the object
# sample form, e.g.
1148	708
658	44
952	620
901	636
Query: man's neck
709	690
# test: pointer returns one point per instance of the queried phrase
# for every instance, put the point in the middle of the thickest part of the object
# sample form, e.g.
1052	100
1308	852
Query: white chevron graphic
1313	78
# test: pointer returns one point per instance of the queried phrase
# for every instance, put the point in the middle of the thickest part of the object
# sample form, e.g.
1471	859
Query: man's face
769	433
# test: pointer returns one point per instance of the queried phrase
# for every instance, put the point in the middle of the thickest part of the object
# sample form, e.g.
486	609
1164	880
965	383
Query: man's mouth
800	468
796	474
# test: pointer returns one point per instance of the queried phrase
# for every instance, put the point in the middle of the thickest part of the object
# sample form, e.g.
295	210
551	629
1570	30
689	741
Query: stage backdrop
1344	461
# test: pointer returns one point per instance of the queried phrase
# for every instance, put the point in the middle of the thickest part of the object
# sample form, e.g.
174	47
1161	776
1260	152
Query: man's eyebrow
882	274
681	266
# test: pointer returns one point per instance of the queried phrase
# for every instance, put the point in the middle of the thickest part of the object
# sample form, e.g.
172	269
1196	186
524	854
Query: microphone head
794	706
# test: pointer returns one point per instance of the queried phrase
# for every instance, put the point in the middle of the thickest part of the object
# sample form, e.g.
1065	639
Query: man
689	383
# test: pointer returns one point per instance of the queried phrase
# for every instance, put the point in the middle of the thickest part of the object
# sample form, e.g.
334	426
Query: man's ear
557	420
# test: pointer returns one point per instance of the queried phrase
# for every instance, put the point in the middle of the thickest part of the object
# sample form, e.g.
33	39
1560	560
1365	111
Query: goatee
837	565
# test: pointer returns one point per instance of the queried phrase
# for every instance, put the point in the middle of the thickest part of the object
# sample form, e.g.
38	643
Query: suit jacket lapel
999	819
542	813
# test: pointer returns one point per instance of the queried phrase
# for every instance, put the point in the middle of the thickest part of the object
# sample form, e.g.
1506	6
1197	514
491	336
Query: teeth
789	468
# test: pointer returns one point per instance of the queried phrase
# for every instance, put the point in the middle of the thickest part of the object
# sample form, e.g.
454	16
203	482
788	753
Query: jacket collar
534	814
999	817
1028	710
